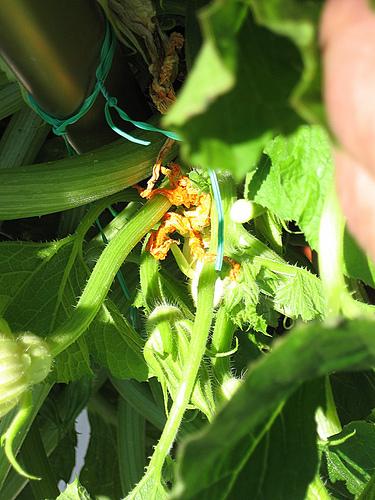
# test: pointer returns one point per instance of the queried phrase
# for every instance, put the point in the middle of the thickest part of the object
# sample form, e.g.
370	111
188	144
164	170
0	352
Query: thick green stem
331	236
117	223
222	339
197	349
339	301
222	342
104	273
74	181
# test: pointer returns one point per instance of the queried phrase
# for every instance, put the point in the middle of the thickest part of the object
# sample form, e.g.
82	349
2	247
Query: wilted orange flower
188	223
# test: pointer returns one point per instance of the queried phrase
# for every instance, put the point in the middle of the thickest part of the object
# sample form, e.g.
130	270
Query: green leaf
63	457
149	488
236	96
299	21
113	343
48	277
40	283
101	470
242	300
369	492
290	441
299	296
131	445
193	35
354	395
306	353
295	180
267	287
357	264
352	459
74	491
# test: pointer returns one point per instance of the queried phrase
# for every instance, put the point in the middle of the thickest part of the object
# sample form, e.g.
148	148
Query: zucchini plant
191	286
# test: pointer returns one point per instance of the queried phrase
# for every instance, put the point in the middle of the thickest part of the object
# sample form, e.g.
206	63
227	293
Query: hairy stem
104	273
197	349
222	342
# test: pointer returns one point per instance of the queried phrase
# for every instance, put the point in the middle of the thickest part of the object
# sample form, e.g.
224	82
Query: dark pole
53	47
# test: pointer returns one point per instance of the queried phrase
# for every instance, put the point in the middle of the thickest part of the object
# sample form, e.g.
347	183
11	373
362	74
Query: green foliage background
300	424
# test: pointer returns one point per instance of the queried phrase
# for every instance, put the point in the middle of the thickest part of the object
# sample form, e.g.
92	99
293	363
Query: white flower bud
36	357
242	211
24	361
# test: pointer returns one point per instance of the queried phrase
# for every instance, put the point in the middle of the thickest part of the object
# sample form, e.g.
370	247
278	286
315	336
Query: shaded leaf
290	442
47	279
306	353
354	395
299	21
100	472
113	343
353	459
236	96
295	180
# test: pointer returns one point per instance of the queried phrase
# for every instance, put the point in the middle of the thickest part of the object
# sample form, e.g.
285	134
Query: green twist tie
59	125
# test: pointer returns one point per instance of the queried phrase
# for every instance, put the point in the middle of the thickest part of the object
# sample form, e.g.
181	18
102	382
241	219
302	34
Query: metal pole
53	47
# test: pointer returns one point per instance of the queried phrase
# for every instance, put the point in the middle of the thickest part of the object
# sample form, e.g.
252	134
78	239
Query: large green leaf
306	353
299	21
116	345
236	96
293	181
354	395
350	456
40	283
294	178
100	473
48	279
55	420
290	441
